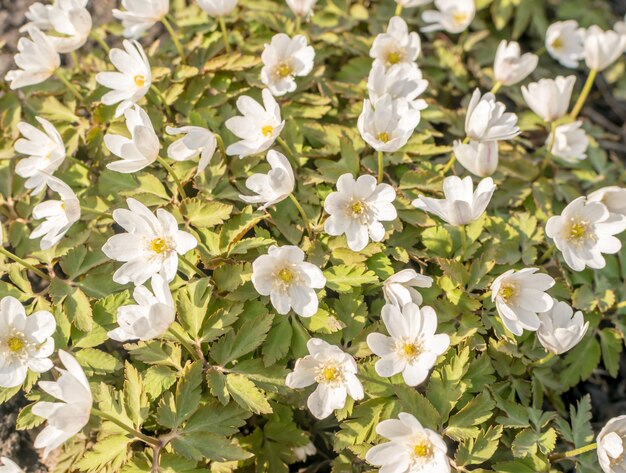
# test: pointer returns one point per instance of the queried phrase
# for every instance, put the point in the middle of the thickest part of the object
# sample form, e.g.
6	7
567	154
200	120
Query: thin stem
574	453
161	98
94	211
178	336
584	94
19	260
543	360
96	37
546	159
220	144
74	58
224	33
307	224
452	159
298	24
69	85
463	242
496	87
196	270
380	165
174	36
144	438
171	172
287	150
398	10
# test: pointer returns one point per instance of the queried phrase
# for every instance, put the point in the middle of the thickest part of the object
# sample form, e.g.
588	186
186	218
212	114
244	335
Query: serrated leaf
246	394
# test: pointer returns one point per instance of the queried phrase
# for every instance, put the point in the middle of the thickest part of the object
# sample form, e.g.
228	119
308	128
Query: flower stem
380	167
173	330
584	94
174	36
574	453
69	85
287	150
298	24
463	242
496	87
307	224
19	260
170	171
548	156
452	160
145	438
197	270
220	144
398	10
224	33
94	211
98	39
161	98
543	360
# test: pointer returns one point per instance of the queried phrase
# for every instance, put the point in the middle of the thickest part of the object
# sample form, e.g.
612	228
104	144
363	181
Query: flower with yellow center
557	44
383	136
422	450
578	231
15	344
140	80
507	292
460	18
394	57
267	130
283	70
159	245
284	59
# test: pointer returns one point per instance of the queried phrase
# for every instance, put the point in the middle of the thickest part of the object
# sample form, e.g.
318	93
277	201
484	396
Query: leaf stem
574	453
220	144
197	270
224	33
178	336
144	438
19	260
170	171
398	10
174	36
98	39
381	165
74	91
496	87
584	94
161	98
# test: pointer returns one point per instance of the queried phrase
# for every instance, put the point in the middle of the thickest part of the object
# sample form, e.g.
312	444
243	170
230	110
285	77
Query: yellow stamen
557	44
384	137
459	18
394	57
410	350
140	80
577	230
507	292
267	130
63	205
358	208
158	245
330	373
421	450
285	275
284	70
15	344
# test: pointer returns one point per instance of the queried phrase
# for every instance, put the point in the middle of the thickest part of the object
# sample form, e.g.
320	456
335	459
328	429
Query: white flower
25	342
453	16
273	187
333	370
302	7
387	124
413	347
564	42
9	466
141	15
397	45
560	328
197	141
284	59
412	3
613	197
584	231
258	128
511	66
411	449
290	282
610	448
60	215
402	81
152	315
479	158
217	8
520	296
151	245
301	453
46	151
550	98
603	48
461	205
487	120
570	142
132	82
68	417
357	208
37	60
398	288
138	151
68	20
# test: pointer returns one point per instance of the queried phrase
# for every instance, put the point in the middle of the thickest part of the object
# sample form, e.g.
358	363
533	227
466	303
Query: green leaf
612	343
438	240
342	278
176	409
478	410
480	449
204	214
246	394
207	445
278	341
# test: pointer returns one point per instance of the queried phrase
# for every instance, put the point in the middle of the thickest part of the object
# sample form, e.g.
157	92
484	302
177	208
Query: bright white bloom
520	296
290	282
487	120
284	59
333	370
399	289
413	347
603	48
301	453
613	197
453	16
133	81
273	187
68	417
258	128
564	42
46	151
25	342
479	158
68	20
412	3
461	205
138	151
397	45
411	448
217	8
9	466
570	142
152	315
550	98
511	66
560	328
302	7
197	141
610	448
584	231
151	245
59	215
357	208
402	81
37	60
141	15
387	124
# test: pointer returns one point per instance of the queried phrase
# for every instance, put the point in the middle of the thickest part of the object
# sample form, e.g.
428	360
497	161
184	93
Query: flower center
284	70
384	137
63	205
577	230
285	275
267	130
394	57
557	44
140	80
329	374
15	344
507	292
357	207
422	450
159	245
460	17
